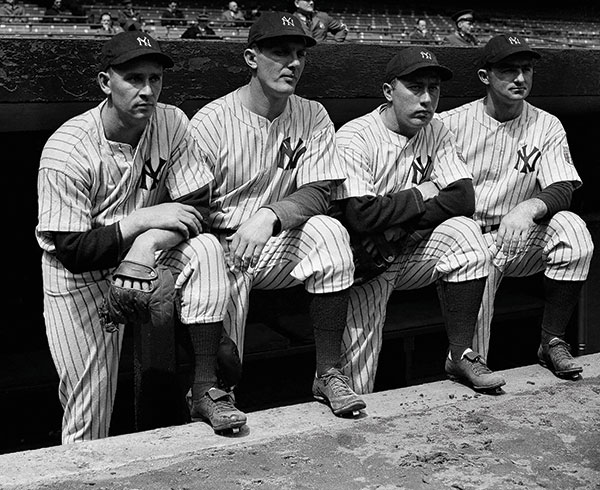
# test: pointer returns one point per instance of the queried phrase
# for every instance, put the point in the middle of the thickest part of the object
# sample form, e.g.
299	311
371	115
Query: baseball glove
128	305
373	254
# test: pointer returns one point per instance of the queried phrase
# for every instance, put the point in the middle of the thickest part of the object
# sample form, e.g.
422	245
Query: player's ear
387	89
482	73
250	57
104	82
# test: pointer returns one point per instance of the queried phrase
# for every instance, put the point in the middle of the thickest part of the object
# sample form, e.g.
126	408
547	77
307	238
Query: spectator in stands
253	12
421	34
233	16
319	24
524	178
199	29
107	25
407	201
57	13
172	16
11	12
129	18
462	36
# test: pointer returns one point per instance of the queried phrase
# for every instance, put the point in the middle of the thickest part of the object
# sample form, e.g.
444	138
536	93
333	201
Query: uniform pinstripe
85	182
512	162
256	162
380	162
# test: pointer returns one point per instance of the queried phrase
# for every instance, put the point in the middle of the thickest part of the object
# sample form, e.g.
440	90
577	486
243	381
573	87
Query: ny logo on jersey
144	41
514	40
151	175
287	21
426	55
291	154
421	172
529	159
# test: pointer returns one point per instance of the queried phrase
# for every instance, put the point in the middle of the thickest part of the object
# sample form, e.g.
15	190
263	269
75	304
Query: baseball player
524	178
124	181
274	160
408	198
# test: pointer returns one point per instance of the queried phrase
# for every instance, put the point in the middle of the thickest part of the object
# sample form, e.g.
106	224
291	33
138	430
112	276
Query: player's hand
247	243
514	229
428	190
173	216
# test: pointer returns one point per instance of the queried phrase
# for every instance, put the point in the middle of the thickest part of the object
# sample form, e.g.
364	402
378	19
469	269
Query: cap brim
500	57
164	59
309	41
444	72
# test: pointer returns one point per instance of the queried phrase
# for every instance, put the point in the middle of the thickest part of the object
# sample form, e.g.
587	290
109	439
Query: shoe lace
224	405
480	367
338	384
559	351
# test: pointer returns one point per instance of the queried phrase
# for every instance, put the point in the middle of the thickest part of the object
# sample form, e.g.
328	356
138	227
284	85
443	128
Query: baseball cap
412	59
278	24
466	14
126	46
503	45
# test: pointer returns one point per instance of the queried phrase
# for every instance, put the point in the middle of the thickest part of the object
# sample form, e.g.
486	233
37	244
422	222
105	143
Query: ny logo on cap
514	40
426	55
144	41
287	21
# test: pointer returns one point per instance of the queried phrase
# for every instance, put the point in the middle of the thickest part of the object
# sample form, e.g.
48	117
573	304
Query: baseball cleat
216	407
556	356
332	389
471	370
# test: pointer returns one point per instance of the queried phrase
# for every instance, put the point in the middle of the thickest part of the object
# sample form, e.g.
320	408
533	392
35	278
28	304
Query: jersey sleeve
320	161
188	171
450	166
556	164
356	160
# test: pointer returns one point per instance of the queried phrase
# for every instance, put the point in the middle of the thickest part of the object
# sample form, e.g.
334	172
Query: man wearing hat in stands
319	24
463	35
524	178
124	184
407	202
274	160
200	29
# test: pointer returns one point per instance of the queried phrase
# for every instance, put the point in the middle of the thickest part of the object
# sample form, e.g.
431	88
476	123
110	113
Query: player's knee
331	237
464	230
572	229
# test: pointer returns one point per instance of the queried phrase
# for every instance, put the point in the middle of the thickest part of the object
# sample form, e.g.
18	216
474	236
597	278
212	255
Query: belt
488	228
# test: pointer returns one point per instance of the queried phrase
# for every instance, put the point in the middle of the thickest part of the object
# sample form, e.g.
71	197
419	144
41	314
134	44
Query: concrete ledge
135	454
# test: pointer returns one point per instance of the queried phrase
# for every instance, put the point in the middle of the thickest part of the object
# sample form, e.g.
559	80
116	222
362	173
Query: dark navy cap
126	46
466	14
278	24
503	45
412	59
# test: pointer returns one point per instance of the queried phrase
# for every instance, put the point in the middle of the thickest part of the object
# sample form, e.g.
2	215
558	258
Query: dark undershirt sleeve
102	248
557	197
89	250
375	214
309	200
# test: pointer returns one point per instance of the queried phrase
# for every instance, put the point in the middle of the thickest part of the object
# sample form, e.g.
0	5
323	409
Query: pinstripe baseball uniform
85	182
379	162
256	162
512	162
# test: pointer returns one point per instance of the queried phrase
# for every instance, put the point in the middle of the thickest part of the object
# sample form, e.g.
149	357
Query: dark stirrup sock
328	315
205	338
460	302
560	299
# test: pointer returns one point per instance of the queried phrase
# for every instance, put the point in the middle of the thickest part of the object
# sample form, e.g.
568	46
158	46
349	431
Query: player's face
414	100
512	78
279	65
134	88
